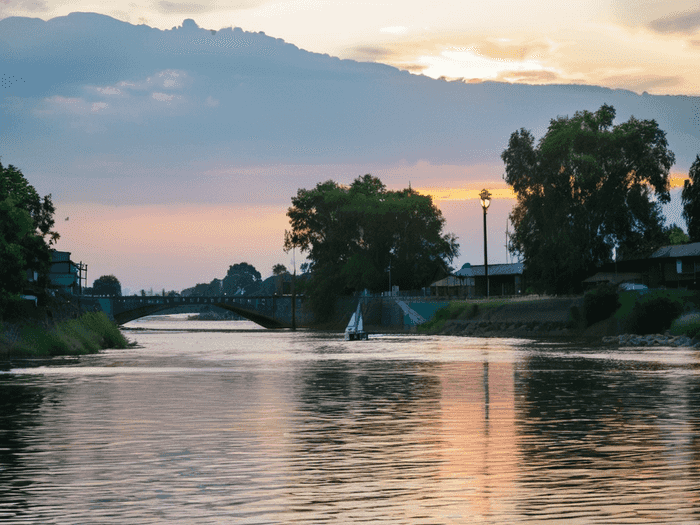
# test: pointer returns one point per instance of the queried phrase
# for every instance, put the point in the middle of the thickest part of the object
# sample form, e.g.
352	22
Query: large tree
691	201
587	188
364	236
107	285
241	279
26	222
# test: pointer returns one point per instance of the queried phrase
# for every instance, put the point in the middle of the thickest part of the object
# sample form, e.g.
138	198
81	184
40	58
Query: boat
355	330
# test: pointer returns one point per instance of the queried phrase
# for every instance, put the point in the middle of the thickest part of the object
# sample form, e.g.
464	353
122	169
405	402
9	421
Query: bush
688	324
600	303
653	313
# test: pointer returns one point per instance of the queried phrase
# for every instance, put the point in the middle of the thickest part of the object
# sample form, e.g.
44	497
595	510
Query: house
470	281
64	273
673	266
453	286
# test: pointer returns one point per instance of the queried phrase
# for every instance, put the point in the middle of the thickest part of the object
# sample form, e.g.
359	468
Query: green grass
454	310
86	335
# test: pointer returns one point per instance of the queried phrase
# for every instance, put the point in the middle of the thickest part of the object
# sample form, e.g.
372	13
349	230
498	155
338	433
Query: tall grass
86	335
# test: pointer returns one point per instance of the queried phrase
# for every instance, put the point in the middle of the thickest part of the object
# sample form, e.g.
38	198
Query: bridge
267	311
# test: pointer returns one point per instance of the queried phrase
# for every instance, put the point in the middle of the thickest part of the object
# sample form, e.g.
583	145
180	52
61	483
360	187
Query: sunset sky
180	207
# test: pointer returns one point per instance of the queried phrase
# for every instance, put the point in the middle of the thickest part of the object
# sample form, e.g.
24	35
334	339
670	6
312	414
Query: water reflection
283	428
598	433
365	442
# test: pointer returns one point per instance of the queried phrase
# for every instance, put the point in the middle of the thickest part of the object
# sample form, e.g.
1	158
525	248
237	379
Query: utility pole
294	296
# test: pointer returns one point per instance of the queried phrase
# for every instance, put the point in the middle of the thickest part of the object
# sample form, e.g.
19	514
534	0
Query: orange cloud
462	194
677	181
472	192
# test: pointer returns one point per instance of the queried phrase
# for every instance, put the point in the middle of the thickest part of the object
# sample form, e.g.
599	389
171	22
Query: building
470	281
64	273
673	266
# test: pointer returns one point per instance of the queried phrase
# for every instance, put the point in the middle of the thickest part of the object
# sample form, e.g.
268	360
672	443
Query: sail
360	324
351	324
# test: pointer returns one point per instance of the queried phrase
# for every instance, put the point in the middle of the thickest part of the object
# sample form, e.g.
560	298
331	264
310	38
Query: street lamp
485	198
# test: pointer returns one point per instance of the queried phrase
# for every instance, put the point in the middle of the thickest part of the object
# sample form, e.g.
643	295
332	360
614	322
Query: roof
494	269
678	250
57	256
450	281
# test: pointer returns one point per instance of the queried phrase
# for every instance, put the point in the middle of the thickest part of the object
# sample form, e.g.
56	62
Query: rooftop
678	250
494	269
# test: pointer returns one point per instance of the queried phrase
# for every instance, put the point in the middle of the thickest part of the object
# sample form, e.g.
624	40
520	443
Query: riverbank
550	317
516	317
58	329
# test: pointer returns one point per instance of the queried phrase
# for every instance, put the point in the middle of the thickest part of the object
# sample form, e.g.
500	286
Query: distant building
64	272
673	266
470	281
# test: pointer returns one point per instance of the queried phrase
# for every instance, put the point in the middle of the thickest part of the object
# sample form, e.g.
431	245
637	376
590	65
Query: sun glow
461	194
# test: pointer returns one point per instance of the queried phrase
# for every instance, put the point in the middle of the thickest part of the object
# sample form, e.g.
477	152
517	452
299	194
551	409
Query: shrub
688	324
600	303
653	313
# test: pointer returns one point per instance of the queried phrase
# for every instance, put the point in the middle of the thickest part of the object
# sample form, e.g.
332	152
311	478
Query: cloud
394	30
687	23
529	77
185	8
370	53
32	6
636	81
207	6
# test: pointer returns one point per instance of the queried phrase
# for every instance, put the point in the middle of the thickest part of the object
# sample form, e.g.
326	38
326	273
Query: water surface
223	422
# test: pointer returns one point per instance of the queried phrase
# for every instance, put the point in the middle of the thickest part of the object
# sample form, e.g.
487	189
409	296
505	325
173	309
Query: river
220	422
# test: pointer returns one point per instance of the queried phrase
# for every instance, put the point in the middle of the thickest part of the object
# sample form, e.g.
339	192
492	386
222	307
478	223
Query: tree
358	236
588	187
241	279
279	269
107	285
675	235
691	201
25	235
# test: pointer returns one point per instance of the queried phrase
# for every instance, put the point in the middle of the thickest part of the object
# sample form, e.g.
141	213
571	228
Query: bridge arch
267	311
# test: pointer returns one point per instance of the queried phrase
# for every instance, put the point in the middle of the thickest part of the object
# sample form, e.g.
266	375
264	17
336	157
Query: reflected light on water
248	426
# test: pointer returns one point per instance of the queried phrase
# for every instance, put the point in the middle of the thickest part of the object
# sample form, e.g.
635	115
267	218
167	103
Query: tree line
590	191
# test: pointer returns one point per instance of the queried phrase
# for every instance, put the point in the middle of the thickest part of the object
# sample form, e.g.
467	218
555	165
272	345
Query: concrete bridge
267	311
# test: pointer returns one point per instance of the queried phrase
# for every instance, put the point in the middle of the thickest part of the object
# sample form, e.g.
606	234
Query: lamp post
485	197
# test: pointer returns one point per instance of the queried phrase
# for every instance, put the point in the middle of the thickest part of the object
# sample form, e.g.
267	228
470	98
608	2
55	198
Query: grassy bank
602	312
87	334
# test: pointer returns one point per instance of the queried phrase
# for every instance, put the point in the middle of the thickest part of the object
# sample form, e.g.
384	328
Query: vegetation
241	278
26	222
107	285
654	312
688	324
364	236
600	303
675	235
454	310
279	269
85	335
691	201
587	188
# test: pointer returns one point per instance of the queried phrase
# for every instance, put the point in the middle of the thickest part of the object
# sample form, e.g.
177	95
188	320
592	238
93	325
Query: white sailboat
355	330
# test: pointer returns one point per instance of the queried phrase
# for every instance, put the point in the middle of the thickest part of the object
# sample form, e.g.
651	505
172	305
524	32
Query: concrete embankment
519	317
